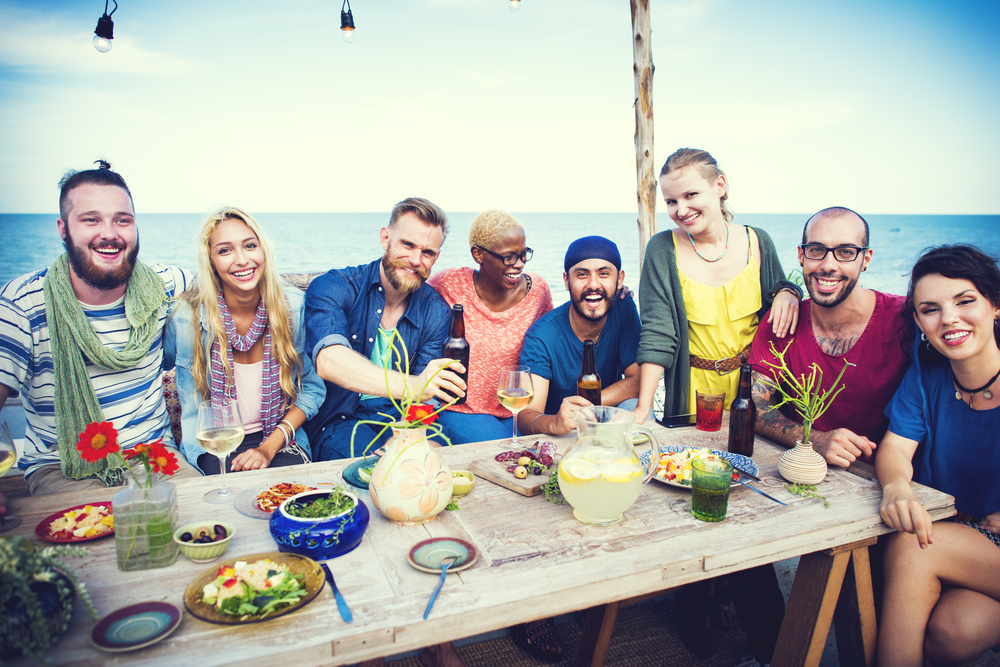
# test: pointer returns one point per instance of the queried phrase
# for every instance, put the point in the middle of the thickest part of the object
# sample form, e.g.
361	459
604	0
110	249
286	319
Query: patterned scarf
272	398
73	342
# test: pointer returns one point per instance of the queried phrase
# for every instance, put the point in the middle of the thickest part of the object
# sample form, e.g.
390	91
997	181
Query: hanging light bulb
105	31
515	5
346	22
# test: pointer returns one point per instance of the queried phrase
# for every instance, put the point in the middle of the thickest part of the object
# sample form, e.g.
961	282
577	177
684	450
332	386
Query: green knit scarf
72	338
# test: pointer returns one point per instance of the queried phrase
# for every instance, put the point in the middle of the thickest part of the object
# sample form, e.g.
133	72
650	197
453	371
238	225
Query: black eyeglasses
844	253
511	260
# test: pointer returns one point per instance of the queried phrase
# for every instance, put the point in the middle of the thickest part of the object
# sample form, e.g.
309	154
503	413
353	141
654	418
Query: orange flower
421	413
141	448
97	441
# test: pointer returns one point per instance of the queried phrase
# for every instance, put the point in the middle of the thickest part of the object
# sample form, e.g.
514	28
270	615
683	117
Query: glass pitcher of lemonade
601	474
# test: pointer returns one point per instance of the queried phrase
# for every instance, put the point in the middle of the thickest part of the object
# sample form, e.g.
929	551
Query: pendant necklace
987	394
691	239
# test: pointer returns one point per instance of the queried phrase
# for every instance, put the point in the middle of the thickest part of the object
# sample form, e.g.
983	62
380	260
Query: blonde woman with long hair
250	346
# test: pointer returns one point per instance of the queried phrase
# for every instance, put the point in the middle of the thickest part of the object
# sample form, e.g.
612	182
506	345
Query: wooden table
536	560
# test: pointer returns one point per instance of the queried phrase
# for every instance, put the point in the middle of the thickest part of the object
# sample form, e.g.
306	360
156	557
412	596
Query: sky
886	107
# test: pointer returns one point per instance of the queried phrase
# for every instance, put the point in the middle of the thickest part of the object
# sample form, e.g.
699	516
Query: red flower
139	449
162	459
97	441
421	413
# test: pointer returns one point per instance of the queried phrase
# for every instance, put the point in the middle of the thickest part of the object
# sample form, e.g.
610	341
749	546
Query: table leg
596	636
854	619
810	609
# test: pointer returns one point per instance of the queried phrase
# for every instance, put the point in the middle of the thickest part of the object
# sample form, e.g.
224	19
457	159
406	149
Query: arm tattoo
770	422
836	347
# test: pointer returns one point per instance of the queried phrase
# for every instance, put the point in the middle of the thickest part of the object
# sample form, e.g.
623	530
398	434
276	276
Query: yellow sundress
721	322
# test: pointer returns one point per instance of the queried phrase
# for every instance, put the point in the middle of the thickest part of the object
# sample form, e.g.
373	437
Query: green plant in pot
37	592
805	394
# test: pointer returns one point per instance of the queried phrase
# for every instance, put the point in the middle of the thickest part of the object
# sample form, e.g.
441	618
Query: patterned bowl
319	539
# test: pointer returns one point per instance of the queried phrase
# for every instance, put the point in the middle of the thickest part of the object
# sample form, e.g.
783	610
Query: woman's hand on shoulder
991	523
784	313
903	512
252	459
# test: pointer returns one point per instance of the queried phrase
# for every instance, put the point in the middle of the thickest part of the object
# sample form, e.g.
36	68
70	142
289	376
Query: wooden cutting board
496	472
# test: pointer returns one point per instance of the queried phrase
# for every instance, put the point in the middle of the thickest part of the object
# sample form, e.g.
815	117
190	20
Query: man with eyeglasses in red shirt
841	320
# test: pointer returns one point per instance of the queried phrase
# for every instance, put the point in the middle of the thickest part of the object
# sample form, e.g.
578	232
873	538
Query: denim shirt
344	307
179	346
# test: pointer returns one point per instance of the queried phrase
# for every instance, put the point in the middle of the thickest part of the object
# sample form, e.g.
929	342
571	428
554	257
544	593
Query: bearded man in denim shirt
352	312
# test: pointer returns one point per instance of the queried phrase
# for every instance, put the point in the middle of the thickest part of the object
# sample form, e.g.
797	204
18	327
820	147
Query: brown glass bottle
588	384
742	416
456	347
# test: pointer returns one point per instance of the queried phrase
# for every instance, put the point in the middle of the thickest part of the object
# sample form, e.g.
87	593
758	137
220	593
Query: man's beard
400	281
584	312
84	267
829	300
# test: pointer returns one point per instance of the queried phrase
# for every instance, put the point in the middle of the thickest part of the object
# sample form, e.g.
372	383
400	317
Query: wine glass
220	432
8	455
515	393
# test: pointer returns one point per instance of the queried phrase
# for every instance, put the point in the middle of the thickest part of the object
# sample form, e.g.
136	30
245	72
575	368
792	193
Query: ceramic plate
246	502
426	556
42	530
736	459
314	582
351	475
135	626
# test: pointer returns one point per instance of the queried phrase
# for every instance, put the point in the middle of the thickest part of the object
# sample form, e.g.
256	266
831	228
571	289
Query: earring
923	336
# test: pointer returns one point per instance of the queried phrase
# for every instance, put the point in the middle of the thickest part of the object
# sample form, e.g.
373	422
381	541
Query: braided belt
721	366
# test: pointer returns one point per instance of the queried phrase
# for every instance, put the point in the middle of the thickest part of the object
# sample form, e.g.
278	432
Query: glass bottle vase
145	514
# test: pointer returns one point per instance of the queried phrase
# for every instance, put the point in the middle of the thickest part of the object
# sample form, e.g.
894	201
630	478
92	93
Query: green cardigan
664	338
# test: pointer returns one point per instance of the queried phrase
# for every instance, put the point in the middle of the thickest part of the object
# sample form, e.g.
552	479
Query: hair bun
102	164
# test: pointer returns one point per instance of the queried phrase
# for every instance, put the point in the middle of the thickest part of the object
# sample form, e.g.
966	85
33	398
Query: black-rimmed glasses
844	253
511	260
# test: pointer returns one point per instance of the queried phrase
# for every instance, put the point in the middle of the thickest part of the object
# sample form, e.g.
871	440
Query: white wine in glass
220	432
8	455
515	392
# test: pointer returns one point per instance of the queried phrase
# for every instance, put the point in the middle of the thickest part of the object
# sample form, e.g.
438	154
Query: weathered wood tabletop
535	560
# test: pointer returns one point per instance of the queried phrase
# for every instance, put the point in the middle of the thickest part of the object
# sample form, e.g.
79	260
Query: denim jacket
344	307
179	347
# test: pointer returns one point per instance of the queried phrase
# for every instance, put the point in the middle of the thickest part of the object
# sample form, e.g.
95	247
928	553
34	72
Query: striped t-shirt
132	399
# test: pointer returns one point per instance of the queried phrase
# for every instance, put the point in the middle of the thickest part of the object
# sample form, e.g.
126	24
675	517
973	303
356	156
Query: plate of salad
675	463
254	588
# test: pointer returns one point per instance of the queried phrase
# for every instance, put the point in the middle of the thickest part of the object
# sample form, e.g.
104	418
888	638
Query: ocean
321	241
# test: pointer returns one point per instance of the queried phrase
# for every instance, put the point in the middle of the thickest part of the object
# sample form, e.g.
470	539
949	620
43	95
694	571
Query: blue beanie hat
592	247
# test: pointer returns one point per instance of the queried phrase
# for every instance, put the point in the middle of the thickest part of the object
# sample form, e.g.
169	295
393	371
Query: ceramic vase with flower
802	465
411	484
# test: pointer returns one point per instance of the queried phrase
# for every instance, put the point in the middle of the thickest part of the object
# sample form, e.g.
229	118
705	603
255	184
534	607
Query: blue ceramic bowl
319	539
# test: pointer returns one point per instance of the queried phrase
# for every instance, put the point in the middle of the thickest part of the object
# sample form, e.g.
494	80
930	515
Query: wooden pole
646	184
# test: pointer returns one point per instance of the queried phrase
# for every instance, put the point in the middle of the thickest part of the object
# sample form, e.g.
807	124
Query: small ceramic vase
411	483
802	465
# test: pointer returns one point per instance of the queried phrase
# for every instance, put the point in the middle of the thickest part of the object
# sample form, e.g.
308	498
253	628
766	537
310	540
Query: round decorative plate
246	502
426	556
314	582
738	460
43	529
353	477
135	626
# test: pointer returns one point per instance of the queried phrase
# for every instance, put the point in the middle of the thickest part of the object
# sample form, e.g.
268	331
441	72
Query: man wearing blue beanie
553	346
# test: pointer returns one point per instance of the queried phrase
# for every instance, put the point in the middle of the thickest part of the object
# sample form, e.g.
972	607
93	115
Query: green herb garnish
551	488
452	506
807	491
321	508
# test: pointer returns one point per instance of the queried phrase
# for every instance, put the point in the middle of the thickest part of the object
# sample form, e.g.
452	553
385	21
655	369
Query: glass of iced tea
710	482
708	406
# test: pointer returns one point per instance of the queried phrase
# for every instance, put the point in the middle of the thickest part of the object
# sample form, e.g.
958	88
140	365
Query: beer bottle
456	347
588	384
742	416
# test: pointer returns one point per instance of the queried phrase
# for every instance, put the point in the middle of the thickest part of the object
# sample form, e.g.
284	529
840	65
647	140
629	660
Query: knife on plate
345	612
740	481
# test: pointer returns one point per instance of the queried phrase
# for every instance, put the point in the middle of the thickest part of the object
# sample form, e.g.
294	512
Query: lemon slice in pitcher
615	472
577	470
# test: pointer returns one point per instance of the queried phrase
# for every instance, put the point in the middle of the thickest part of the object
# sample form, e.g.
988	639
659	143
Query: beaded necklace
691	239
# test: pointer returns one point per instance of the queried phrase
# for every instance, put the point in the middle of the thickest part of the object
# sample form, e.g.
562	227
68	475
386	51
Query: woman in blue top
942	581
250	346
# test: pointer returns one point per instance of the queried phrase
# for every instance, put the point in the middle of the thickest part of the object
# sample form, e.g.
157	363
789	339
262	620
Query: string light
105	31
515	5
346	22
